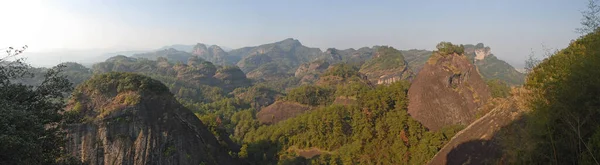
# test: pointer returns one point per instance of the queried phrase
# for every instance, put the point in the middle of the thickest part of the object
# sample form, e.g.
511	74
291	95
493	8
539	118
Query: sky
512	28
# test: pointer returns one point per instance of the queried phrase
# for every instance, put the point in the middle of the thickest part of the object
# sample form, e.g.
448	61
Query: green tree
30	116
448	48
565	104
591	18
498	88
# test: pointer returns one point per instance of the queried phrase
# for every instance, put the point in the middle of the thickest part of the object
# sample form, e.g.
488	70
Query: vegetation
118	82
564	103
311	95
445	48
498	88
376	131
388	58
342	70
30	116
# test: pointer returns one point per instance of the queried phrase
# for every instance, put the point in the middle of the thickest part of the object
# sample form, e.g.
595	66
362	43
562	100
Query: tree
591	18
30	116
565	104
498	88
448	48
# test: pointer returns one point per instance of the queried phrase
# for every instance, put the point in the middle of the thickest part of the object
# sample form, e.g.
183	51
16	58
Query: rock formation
125	118
213	54
448	90
479	143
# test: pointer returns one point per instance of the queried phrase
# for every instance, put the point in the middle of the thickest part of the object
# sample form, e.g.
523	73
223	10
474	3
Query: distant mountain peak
289	41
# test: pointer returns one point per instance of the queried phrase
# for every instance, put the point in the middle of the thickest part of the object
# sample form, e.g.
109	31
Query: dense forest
285	103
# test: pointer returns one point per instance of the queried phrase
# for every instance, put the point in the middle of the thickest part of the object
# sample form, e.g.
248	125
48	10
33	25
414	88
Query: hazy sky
510	27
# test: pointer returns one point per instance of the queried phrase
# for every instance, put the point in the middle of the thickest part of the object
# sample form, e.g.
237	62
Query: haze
77	30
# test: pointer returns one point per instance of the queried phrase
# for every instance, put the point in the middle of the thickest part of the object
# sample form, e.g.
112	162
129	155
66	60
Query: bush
446	48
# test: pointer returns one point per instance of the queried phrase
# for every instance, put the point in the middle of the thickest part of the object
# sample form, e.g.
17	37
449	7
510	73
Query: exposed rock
124	118
213	54
280	111
479	142
447	91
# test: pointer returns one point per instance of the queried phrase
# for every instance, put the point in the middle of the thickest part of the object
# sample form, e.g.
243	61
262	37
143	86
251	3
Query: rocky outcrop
213	54
387	66
124	118
479	143
279	111
447	91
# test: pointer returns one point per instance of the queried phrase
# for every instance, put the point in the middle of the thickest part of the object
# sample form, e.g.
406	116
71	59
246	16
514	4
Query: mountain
386	66
488	65
447	91
416	58
170	54
214	54
125	118
276	60
189	48
491	67
196	80
309	72
351	56
179	47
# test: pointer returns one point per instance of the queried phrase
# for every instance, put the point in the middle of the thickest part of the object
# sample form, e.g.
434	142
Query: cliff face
213	54
480	142
124	118
448	90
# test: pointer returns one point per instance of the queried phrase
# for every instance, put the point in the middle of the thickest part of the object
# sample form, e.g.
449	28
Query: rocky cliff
480	142
125	118
214	54
448	90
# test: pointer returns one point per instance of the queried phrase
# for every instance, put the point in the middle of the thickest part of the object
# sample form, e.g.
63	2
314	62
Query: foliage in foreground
30	116
565	104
